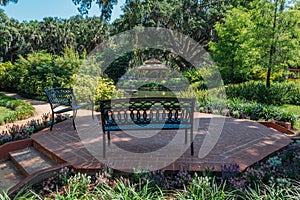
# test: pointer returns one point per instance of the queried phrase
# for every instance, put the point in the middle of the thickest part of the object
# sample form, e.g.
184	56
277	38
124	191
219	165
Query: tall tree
193	18
105	6
267	40
233	50
11	41
276	25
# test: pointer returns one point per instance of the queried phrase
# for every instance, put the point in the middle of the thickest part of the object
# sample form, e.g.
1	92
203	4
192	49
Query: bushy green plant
279	93
38	73
242	109
126	190
10	76
204	188
105	89
41	70
78	186
271	192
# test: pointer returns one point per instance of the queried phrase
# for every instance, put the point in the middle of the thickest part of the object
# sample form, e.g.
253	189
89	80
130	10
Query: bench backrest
60	97
147	110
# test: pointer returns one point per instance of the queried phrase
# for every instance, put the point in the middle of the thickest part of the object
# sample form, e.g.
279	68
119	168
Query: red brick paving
241	142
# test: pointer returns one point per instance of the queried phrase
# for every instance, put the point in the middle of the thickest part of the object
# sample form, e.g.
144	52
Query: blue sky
26	10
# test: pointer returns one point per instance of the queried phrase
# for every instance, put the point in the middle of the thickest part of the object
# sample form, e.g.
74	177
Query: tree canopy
5	2
52	34
249	39
256	41
105	6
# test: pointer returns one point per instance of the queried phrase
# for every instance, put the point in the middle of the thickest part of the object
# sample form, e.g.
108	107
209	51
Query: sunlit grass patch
4	112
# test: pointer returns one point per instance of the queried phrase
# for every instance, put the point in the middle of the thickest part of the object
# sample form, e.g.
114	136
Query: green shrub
104	90
277	94
42	70
10	76
242	109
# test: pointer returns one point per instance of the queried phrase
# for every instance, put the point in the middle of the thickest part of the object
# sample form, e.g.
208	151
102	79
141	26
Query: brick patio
224	140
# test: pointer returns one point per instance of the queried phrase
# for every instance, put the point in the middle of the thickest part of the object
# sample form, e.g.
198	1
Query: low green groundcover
13	109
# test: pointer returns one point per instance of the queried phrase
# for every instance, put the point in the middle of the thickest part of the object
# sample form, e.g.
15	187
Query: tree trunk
268	83
272	47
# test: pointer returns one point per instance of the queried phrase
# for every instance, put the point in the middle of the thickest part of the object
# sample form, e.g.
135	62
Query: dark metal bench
147	113
63	100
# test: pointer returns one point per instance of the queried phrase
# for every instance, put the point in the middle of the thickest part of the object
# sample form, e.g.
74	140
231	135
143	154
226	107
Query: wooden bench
63	100
147	113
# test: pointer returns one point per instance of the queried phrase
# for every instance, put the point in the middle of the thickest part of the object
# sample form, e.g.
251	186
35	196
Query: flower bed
277	177
19	132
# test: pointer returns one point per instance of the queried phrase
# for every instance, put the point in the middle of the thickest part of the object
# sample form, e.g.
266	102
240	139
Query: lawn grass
294	109
4	112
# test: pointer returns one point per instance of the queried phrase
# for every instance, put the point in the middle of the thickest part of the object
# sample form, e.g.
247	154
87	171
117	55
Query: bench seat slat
147	126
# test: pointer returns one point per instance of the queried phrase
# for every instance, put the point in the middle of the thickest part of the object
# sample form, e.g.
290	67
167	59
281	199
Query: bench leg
52	121
93	111
74	116
108	137
192	143
104	143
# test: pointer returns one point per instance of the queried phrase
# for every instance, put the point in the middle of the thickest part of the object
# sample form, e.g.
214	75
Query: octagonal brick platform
218	141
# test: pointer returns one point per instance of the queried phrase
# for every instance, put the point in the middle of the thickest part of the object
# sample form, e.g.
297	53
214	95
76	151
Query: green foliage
232	50
105	90
9	76
195	78
41	70
204	188
4	114
126	190
293	109
98	88
78	186
274	178
52	35
11	41
242	109
38	73
15	109
195	19
279	93
118	67
105	7
257	41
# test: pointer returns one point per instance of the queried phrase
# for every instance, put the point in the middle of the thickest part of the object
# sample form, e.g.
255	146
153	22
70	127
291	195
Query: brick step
30	160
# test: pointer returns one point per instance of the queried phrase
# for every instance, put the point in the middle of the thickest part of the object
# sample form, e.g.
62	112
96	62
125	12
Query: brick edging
278	128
